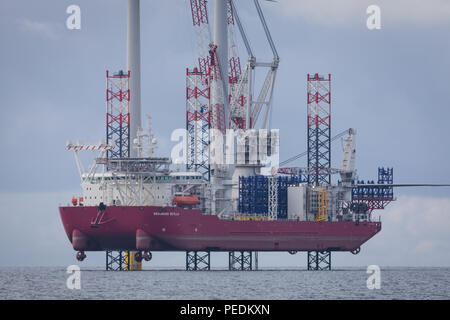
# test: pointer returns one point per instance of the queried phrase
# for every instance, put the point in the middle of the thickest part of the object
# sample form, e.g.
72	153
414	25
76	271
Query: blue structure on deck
254	194
365	199
385	176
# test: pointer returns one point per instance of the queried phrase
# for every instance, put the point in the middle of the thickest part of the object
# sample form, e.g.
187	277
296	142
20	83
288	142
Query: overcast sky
391	85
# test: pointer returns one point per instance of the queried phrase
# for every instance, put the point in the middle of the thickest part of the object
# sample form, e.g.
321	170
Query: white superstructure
154	190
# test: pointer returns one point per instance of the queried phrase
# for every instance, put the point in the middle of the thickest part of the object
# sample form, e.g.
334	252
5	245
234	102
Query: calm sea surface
344	283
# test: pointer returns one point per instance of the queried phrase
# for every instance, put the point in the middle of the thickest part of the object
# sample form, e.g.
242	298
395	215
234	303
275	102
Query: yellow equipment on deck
322	210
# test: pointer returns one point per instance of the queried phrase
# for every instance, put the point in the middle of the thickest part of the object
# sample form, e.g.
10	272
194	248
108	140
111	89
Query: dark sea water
343	283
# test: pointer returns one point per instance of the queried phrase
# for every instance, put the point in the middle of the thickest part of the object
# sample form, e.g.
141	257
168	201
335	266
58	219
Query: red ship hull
177	229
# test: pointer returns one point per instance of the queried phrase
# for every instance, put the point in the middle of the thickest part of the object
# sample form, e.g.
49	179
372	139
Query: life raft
188	200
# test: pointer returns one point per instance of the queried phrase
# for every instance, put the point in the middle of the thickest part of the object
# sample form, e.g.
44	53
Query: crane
244	111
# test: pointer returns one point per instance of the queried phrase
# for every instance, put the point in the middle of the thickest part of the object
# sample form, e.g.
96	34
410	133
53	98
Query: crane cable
298	156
